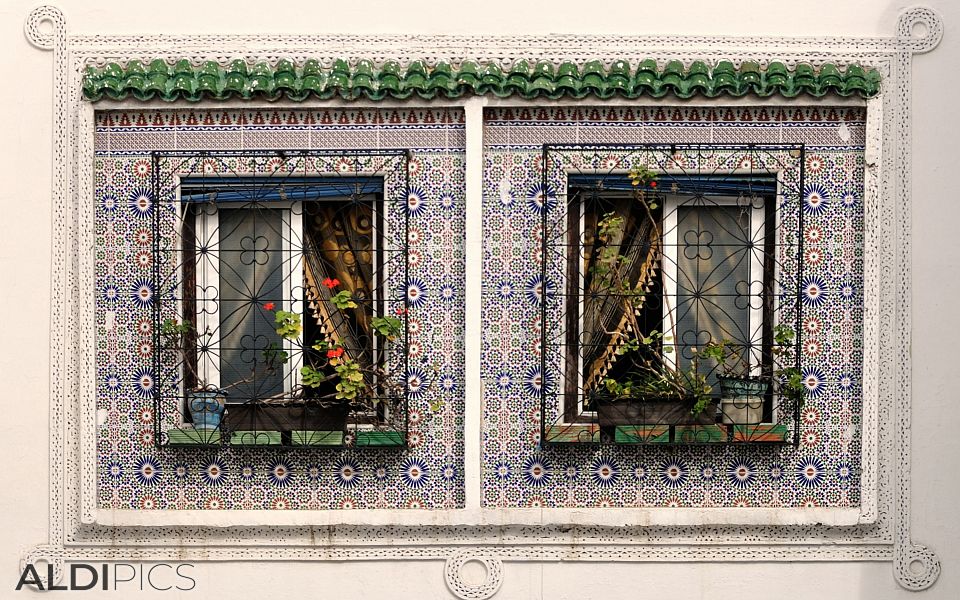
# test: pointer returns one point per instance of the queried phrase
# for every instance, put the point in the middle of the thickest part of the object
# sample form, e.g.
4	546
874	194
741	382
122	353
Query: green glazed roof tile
183	80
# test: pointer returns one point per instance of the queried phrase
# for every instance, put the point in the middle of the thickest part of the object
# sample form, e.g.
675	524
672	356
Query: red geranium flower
269	306
335	353
653	184
331	283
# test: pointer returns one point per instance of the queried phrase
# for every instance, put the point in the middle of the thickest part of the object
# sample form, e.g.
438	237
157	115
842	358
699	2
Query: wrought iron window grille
279	298
671	291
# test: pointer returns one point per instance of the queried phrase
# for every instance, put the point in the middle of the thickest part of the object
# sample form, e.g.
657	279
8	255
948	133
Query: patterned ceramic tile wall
136	474
822	471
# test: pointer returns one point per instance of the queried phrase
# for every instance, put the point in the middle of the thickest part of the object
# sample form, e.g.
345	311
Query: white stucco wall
26	295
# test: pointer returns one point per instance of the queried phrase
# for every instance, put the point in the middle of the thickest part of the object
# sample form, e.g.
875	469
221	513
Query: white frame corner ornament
880	530
467	591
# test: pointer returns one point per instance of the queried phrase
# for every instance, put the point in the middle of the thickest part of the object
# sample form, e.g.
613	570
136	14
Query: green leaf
274	356
287	324
343	300
311	377
389	327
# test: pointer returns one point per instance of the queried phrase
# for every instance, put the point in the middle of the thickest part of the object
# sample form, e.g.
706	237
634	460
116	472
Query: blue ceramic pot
206	408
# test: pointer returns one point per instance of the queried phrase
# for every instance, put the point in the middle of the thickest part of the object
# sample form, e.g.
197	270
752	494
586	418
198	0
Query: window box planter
295	417
652	412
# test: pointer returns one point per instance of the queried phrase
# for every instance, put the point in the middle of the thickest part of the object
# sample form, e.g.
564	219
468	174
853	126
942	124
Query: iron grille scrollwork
279	296
672	291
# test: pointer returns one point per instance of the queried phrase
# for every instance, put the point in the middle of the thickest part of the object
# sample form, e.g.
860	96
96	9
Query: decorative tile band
366	80
125	132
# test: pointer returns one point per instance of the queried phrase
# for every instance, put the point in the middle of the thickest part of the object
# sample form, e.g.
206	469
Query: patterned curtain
608	314
339	244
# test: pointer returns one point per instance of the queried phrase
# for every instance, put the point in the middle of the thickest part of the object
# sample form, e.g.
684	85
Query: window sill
684	435
559	517
294	439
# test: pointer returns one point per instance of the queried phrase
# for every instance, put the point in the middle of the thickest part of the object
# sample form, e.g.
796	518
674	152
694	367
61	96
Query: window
276	250
678	321
277	321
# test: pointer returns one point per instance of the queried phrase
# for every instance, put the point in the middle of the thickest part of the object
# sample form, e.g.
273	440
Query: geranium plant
352	381
332	367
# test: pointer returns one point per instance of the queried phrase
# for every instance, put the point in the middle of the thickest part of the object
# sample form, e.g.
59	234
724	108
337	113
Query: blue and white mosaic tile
134	473
517	471
822	471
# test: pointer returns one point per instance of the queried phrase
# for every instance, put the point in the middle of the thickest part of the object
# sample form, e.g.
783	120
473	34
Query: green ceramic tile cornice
364	80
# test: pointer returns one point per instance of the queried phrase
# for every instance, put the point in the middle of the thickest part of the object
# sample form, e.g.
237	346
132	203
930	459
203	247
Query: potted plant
647	384
654	392
335	381
788	378
205	402
741	394
332	383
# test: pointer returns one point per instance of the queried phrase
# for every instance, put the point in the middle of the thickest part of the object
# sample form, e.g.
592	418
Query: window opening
281	314
677	317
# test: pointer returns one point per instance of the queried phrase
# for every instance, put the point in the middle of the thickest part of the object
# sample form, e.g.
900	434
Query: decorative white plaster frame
878	530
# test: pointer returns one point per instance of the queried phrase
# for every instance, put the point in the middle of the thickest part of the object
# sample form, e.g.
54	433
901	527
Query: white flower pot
746	410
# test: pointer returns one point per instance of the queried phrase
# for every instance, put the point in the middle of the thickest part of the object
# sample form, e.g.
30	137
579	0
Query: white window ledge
588	517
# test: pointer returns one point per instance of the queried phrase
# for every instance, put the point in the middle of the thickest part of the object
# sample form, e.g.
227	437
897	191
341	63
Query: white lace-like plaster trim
74	531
